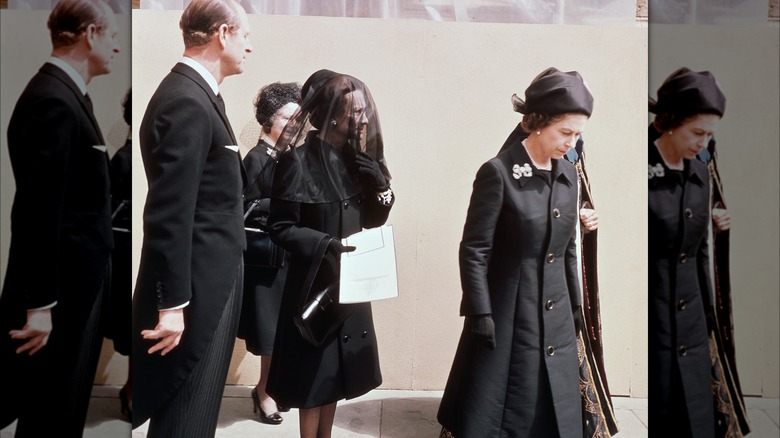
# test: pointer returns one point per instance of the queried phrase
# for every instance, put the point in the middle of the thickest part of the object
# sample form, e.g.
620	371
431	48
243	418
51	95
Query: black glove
370	173
337	247
483	327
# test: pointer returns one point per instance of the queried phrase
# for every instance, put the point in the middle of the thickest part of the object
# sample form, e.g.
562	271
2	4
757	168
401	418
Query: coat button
682	304
550	258
346	338
346	204
364	335
556	213
683	257
550	350
682	350
549	304
688	213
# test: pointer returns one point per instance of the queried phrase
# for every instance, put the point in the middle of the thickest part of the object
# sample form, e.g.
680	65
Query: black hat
555	92
689	92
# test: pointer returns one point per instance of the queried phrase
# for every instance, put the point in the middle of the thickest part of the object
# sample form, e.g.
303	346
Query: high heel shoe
125	403
274	418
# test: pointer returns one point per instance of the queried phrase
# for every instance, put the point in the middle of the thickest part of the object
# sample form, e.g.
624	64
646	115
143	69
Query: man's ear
91	34
222	34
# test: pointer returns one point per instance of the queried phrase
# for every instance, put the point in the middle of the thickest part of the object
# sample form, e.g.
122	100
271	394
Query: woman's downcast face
561	136
693	135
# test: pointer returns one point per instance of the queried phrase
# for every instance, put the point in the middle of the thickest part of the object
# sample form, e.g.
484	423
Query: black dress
680	400
518	263
263	286
117	316
347	365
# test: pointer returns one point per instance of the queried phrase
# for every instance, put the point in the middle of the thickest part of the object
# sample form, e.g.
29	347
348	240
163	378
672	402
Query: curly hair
271	98
667	121
535	121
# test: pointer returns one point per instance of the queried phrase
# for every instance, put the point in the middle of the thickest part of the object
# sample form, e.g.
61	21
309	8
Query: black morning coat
193	230
60	228
680	400
347	365
518	262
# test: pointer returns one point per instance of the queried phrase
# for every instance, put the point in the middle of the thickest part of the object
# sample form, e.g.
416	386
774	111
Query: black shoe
274	418
282	408
125	403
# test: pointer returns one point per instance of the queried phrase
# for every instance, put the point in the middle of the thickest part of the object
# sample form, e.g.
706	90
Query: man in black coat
188	291
60	230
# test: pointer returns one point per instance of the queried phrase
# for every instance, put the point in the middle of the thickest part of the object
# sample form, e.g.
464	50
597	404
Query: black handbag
260	251
320	315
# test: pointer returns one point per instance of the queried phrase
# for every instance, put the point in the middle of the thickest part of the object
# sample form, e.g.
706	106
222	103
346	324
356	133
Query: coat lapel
56	72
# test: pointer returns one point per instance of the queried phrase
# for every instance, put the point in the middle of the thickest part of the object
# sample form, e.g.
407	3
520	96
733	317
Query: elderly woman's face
559	137
693	135
353	119
280	119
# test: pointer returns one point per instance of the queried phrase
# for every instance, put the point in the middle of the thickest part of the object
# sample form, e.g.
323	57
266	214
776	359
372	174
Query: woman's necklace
537	165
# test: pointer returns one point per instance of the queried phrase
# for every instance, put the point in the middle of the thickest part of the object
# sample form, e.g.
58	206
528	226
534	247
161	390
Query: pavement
380	413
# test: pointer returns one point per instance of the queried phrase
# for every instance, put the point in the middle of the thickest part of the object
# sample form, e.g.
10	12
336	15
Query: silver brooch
271	152
518	171
657	170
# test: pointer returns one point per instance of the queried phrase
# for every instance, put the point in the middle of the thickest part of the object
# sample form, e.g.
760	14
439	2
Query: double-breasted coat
518	263
193	230
347	365
60	244
679	378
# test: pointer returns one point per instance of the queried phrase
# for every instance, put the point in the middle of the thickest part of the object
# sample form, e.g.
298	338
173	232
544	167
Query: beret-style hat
555	92
689	92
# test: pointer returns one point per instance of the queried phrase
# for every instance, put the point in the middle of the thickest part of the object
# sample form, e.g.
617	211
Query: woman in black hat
515	371
264	277
331	183
692	391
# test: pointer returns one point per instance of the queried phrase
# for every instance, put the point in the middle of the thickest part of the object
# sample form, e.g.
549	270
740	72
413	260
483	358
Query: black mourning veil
337	120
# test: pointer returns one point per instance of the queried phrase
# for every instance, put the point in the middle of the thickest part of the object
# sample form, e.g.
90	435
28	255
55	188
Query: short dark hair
271	98
127	106
70	18
202	18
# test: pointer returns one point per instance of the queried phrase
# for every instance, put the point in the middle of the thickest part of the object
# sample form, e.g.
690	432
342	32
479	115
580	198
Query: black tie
89	103
221	103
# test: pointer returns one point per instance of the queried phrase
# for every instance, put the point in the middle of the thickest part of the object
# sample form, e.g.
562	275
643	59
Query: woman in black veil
330	183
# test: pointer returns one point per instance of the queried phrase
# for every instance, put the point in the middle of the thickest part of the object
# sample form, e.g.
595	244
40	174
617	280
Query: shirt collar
207	76
71	72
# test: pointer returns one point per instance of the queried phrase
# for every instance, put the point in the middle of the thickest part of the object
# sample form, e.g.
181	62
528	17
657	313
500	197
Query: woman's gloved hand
370	173
483	327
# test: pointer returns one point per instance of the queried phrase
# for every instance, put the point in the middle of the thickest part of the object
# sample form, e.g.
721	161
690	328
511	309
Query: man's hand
169	330
37	330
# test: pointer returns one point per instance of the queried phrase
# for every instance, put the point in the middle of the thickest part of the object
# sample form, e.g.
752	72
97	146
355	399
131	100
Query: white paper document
369	273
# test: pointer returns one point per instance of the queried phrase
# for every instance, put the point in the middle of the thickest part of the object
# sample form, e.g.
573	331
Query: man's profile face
238	45
105	46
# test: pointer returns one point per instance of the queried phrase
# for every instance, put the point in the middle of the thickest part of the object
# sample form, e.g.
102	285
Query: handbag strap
251	207
314	267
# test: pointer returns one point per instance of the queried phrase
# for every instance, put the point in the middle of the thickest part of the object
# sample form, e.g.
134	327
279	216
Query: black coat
679	292
117	319
347	366
518	263
60	228
193	230
263	286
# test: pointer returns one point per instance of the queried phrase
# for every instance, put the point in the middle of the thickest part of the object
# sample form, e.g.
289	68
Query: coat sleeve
475	247
178	137
572	273
46	140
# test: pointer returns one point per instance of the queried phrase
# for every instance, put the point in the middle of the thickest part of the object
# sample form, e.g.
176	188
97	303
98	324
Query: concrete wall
443	93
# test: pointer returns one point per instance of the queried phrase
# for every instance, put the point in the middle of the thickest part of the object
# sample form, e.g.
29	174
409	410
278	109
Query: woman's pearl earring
538	132
333	122
670	132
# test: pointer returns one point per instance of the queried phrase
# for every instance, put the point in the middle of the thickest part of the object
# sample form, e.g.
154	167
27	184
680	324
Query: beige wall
745	64
443	93
25	47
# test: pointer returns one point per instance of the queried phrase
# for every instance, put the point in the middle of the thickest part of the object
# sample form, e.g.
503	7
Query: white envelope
369	273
